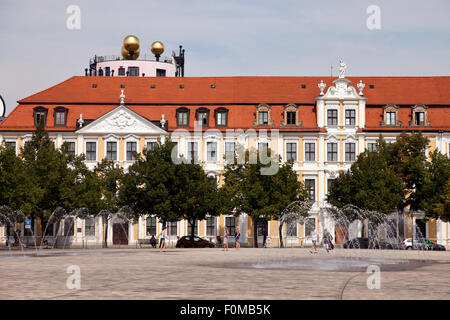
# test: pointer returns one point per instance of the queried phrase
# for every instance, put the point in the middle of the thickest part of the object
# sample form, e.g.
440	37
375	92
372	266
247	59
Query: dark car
185	242
364	243
434	246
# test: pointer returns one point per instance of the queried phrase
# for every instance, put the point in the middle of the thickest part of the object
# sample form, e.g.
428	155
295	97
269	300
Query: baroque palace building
321	123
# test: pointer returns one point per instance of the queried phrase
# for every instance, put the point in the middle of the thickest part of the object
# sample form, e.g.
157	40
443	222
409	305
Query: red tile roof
239	95
238	90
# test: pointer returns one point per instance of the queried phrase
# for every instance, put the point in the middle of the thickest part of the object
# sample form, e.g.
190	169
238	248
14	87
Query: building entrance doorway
120	233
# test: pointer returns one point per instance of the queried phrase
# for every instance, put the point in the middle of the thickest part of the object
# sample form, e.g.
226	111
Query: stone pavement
291	273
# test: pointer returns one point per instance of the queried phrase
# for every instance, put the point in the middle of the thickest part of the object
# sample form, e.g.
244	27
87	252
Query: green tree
369	185
110	177
48	169
249	189
150	186
408	160
197	195
435	189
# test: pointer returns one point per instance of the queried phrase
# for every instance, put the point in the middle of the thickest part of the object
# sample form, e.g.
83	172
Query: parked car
185	242
364	243
434	246
419	244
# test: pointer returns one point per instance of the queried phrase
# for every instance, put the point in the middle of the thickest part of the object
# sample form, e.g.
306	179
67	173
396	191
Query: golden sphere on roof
126	54
131	43
157	48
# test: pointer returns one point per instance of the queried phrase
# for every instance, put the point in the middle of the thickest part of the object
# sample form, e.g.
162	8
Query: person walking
226	233
327	238
313	235
237	235
162	241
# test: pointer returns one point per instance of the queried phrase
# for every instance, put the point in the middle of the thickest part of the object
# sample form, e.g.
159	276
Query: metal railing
142	57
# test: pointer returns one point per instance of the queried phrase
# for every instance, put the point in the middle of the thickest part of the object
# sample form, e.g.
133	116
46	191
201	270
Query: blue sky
224	38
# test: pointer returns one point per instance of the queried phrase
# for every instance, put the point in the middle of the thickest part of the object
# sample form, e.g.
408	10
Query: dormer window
419	116
390	116
60	116
263	116
202	117
221	115
40	116
182	117
291	117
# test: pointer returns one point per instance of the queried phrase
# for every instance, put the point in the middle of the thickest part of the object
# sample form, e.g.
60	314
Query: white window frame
148	140
86	140
310	140
111	138
13	139
351	107
332	106
212	140
332	139
130	138
296	150
351	139
316	187
197	141
71	139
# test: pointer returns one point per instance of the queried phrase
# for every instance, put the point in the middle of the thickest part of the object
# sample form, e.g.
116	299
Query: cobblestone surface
216	274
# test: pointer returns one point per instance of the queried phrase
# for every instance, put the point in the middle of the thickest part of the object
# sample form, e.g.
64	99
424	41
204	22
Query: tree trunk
192	233
255	233
106	233
280	233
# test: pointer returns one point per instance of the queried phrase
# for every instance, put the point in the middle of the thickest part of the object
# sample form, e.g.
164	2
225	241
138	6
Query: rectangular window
160	72
172	228
310	152
40	117
111	150
211	148
420	118
332	151
151	145
291	229
60	119
192	151
221	119
150	226
372	146
390	118
310	185
290	119
229	151
195	228
121	71
91	151
71	147
131	150
107	71
182	119
332	117
133	71
350	117
203	119
89	227
329	183
263	117
230	222
211	226
291	151
350	152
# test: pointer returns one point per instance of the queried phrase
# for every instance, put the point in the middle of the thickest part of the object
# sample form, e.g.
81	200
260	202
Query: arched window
419	116
291	116
263	116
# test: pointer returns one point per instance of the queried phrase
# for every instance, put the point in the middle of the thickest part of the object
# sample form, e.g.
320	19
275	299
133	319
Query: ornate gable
122	120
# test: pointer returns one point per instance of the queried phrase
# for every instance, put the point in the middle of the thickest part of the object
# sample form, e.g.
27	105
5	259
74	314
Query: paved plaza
272	273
